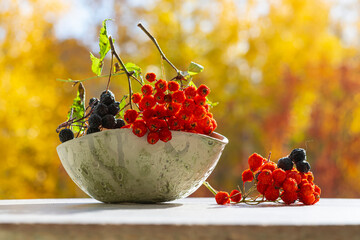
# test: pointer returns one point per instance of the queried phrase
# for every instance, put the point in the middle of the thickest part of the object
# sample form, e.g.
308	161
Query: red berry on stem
139	128
190	92
147	89
203	90
272	193
235	196
199	100
150	77
159	97
153	137
290	185
147	102
178	97
130	115
255	161
136	97
247	176
265	177
173	86
165	135
289	197
261	188
161	85
222	198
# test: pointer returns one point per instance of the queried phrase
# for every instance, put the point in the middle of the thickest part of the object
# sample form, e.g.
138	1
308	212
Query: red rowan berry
261	188
203	90
317	189
173	86
150	77
160	111
310	176
255	161
306	189
153	124
178	97
307	199
161	85
289	197
205	122
207	107
190	92
208	130
265	177
136	97
271	193
147	102
247	176
295	175
184	115
173	109
290	185
199	100
193	125
222	198
188	105
159	97
130	115
279	176
210	115
199	112
268	165
139	128
153	137
168	98
317	197
147	89
214	123
235	196
148	113
174	123
165	135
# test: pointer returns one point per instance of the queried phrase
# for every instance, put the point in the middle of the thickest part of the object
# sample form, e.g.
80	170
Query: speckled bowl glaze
116	166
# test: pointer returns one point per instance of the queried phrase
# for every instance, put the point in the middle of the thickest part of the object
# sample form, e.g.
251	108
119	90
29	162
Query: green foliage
104	44
194	69
122	107
77	109
133	67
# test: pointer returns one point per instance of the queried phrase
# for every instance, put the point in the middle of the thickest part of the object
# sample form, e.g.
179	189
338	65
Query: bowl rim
214	136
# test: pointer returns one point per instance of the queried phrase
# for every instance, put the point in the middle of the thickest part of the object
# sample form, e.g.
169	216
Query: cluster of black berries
297	157
103	113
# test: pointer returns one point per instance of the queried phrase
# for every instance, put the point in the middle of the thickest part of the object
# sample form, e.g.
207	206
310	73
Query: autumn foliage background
286	74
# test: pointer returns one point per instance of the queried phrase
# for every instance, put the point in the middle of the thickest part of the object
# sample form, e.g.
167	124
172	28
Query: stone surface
117	166
191	218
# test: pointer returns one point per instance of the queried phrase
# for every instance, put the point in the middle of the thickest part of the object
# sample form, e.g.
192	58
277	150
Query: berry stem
211	189
113	52
111	63
179	75
269	157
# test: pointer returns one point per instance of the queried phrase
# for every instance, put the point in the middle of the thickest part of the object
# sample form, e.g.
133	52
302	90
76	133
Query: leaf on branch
77	109
122	107
133	67
96	65
104	43
194	69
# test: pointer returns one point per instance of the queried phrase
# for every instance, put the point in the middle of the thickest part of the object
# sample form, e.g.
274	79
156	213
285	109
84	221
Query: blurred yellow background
286	74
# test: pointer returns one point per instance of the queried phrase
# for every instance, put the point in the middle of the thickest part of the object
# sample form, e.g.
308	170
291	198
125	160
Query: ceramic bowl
116	166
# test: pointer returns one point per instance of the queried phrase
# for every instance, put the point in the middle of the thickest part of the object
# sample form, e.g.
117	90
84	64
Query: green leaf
96	65
122	107
104	43
133	67
194	69
77	109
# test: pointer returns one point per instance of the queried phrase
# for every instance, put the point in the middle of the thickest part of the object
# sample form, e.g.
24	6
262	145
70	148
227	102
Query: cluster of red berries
165	106
274	183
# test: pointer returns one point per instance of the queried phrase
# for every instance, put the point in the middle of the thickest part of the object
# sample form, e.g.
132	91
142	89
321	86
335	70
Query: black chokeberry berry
108	121
101	109
114	108
119	123
94	120
66	135
93	101
92	130
303	166
285	163
298	155
107	97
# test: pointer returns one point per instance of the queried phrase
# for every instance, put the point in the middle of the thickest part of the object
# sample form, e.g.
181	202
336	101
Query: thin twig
128	75
158	47
111	63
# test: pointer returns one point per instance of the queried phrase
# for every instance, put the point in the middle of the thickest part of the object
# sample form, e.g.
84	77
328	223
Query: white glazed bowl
117	166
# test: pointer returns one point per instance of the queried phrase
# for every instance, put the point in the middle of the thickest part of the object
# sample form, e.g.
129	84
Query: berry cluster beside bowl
279	183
